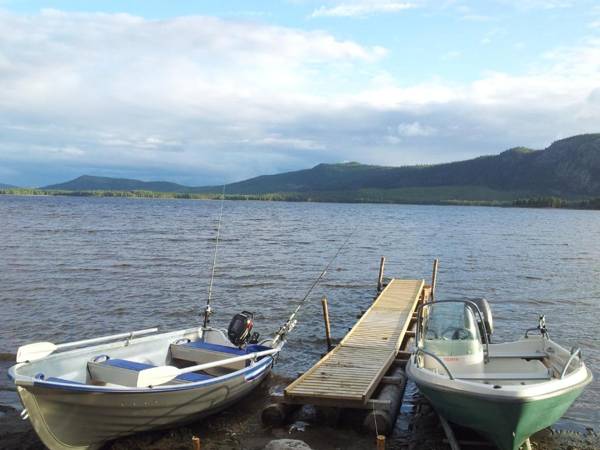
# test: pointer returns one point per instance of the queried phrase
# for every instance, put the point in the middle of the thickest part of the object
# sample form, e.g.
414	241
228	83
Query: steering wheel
456	334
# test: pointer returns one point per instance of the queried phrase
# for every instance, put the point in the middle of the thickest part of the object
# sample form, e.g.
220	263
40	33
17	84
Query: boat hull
506	423
85	420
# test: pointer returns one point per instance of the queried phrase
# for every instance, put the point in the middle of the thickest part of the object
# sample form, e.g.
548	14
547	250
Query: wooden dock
347	376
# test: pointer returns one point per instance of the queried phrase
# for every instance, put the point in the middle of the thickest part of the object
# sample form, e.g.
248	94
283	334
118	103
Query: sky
207	92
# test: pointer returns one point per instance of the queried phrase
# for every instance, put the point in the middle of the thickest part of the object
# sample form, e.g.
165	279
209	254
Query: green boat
505	391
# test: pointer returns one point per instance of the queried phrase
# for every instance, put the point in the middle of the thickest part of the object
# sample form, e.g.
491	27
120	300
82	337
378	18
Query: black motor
240	328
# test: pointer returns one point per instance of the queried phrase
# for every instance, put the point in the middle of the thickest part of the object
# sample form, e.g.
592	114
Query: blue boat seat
200	352
226	349
124	372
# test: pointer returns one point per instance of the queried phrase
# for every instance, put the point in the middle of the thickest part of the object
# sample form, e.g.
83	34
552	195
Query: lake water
71	268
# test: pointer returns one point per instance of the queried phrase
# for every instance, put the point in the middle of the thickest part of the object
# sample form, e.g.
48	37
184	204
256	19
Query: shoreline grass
377	196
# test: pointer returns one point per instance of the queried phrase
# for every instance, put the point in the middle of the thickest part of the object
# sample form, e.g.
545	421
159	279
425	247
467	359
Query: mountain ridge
95	183
569	167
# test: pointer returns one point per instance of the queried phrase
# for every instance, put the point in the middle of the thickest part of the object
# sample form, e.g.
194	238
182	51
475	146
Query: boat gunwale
506	396
26	381
162	388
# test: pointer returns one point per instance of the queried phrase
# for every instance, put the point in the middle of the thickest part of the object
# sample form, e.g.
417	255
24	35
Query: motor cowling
486	314
240	328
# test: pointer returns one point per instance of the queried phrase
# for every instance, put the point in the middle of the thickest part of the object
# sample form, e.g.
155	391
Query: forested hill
92	183
569	168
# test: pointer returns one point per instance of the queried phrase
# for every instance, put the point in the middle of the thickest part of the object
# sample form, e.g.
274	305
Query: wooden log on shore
275	414
381	419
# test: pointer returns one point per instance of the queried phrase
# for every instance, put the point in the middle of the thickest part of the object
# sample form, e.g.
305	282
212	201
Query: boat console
449	335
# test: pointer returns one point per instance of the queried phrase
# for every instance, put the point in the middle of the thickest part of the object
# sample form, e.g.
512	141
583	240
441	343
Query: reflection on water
77	267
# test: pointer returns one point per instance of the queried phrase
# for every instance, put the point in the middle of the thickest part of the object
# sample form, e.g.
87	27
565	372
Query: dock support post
380	442
327	325
196	442
380	279
434	278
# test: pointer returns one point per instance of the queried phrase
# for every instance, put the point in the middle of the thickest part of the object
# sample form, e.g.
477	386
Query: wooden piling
327	325
196	442
434	278
380	278
380	442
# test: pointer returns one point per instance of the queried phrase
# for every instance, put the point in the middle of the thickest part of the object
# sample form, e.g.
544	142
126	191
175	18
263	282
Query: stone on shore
287	444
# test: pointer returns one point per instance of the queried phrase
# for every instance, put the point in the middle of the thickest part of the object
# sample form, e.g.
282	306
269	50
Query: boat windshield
450	329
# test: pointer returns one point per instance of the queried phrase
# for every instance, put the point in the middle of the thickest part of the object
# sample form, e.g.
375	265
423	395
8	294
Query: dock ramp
348	375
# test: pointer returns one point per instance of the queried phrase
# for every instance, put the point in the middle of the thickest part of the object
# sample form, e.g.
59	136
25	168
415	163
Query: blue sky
210	91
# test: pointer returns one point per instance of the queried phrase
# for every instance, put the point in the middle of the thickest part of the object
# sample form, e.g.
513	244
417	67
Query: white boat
106	388
82	394
505	391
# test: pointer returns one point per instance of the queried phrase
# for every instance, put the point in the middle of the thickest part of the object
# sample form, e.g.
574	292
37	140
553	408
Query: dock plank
350	373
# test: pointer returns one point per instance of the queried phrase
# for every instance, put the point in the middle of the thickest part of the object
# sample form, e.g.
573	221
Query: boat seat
504	376
125	373
531	355
200	352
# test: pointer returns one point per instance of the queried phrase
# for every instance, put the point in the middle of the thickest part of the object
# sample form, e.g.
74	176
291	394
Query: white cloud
451	55
539	4
361	8
204	99
297	143
415	129
67	151
493	35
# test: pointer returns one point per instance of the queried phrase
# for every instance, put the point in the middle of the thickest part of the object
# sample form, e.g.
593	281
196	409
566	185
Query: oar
160	375
39	350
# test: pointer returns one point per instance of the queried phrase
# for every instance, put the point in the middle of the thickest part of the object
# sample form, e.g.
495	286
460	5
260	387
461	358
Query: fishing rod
291	322
207	308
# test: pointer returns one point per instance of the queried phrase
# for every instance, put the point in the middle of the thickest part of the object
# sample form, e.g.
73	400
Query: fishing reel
239	331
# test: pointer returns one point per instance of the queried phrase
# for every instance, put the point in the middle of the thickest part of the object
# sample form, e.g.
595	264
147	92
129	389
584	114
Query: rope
375	420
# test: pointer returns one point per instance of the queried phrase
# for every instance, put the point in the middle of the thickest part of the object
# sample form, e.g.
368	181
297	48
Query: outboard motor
240	329
486	313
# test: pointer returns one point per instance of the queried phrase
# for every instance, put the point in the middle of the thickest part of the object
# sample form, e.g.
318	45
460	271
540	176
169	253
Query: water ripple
79	267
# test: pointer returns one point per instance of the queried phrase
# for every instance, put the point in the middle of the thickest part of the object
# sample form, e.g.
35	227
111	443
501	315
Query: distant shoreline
546	202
